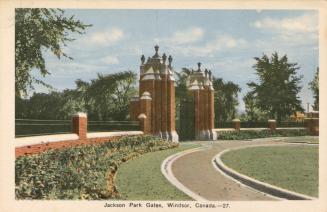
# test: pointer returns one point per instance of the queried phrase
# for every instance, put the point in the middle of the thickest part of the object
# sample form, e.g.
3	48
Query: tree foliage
37	30
226	94
104	98
226	99
277	87
252	112
314	86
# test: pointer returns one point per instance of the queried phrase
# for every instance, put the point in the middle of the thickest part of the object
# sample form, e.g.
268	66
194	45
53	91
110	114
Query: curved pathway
196	172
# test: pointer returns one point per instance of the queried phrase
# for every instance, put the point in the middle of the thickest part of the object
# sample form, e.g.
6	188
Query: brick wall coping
252	129
112	134
33	140
25	141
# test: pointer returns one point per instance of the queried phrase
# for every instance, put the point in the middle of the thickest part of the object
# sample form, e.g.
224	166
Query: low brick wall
44	143
80	136
38	148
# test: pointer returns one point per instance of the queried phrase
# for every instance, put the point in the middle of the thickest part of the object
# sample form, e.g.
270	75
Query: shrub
252	134
82	172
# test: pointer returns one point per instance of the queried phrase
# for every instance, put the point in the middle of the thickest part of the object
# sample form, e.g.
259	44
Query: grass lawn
291	167
141	178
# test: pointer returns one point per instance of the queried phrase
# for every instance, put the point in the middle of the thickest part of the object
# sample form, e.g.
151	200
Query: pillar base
206	135
173	136
168	136
213	135
165	135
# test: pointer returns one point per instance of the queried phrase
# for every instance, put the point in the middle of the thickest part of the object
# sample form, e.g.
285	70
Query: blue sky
223	40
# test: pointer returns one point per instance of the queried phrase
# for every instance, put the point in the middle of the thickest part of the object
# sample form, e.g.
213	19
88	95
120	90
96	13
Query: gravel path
196	172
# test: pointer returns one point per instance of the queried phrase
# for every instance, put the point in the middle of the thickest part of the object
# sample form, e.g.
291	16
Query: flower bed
82	172
252	134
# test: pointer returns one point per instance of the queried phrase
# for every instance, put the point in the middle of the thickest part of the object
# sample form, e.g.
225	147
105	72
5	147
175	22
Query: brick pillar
148	85
164	131
202	114
197	129
134	108
79	125
236	124
173	136
211	117
157	124
272	124
206	113
144	124
312	124
145	106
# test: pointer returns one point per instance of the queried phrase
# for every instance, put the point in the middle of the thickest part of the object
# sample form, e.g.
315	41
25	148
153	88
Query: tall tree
314	86
104	98
37	30
277	87
108	96
226	99
250	106
181	87
253	113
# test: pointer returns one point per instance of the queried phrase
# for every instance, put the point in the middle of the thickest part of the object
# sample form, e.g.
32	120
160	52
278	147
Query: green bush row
81	172
252	134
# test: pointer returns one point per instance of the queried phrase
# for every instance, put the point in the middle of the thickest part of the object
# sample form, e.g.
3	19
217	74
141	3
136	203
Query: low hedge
252	134
82	172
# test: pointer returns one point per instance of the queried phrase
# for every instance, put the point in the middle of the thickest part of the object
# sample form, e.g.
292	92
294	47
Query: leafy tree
181	87
314	86
252	112
277	87
226	100
104	98
43	106
250	106
225	95
37	30
108	96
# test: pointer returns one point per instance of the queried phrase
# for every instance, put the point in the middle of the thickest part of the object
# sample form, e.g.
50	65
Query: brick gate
155	105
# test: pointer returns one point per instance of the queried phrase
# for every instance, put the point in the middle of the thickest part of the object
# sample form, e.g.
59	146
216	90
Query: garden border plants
252	134
81	172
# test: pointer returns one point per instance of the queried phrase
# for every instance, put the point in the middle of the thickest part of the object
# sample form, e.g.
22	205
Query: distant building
298	116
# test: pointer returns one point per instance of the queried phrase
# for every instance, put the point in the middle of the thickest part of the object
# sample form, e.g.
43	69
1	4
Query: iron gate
185	118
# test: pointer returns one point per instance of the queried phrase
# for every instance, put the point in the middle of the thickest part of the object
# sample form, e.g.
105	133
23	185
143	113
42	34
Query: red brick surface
38	148
80	126
163	103
134	110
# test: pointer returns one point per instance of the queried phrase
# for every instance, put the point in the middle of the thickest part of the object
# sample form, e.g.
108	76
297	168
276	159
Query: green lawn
291	167
141	178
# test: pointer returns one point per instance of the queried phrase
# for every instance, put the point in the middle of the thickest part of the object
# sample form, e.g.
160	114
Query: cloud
220	43
304	23
187	36
106	37
301	29
292	35
110	60
59	69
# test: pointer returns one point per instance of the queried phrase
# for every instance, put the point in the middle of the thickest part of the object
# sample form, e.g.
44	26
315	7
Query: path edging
255	184
166	170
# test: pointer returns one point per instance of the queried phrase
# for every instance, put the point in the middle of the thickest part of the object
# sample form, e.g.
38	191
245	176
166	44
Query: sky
225	41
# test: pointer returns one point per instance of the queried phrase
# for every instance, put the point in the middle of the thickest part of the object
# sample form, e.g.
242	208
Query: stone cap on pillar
236	120
271	120
142	116
146	95
199	79
156	66
134	99
80	114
